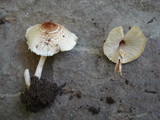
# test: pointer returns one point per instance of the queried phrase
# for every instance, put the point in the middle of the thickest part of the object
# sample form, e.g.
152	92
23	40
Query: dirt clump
94	110
40	94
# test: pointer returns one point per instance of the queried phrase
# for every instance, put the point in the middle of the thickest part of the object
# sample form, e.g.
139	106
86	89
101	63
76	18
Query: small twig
6	19
140	115
149	91
10	95
69	90
151	20
9	18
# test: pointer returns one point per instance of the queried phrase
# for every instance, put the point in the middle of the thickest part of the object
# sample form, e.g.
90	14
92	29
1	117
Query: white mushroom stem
118	67
27	78
39	68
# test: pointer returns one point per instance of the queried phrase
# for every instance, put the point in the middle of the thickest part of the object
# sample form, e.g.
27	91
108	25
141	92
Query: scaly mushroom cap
49	38
128	47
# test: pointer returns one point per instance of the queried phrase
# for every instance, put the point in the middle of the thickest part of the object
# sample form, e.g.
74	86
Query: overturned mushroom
121	49
45	40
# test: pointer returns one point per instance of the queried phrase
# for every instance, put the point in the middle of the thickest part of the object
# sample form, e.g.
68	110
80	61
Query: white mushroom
120	48
48	39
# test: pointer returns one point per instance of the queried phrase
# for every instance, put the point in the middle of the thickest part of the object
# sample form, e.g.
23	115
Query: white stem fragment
27	78
118	67
39	68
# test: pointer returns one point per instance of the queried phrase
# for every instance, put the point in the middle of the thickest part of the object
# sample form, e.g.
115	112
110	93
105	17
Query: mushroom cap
132	44
49	38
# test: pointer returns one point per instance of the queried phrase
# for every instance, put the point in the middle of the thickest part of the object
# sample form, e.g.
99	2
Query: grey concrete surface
85	68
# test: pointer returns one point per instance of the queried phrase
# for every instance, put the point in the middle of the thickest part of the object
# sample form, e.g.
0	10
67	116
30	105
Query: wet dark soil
94	110
40	94
110	100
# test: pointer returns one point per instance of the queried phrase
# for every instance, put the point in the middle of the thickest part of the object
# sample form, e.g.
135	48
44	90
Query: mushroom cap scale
49	38
128	47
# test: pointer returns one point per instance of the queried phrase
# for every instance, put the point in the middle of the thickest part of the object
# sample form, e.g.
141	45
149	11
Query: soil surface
85	68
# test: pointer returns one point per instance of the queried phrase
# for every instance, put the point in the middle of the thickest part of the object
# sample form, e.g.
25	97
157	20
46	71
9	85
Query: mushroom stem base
118	67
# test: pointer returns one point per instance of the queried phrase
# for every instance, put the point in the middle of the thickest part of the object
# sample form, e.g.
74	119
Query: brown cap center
49	27
122	43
